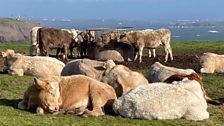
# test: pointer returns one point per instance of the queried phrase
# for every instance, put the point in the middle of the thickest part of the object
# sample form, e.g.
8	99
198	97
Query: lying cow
38	66
77	94
122	79
159	101
211	63
192	76
90	68
159	73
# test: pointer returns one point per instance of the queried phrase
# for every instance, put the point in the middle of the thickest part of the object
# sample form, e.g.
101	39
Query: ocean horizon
180	30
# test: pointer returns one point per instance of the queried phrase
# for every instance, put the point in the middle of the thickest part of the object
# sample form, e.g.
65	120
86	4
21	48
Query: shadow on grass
10	102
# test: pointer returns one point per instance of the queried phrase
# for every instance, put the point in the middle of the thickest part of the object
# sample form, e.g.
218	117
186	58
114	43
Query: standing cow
150	39
51	38
34	41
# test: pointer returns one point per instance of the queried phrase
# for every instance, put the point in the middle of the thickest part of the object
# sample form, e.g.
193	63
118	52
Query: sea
181	30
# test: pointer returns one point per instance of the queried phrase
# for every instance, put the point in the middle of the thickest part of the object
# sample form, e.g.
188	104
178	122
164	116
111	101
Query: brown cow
192	76
77	94
51	38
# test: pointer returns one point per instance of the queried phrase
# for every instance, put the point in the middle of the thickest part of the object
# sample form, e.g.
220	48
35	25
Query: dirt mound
180	61
15	30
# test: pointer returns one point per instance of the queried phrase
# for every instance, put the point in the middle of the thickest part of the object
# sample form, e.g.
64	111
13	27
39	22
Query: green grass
13	87
17	46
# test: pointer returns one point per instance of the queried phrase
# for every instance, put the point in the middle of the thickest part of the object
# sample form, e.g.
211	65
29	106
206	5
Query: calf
77	94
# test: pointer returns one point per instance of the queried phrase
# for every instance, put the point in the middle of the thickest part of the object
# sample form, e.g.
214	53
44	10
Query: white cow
34	41
211	63
184	99
37	66
158	72
161	73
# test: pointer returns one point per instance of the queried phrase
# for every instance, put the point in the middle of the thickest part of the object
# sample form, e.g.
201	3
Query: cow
18	64
121	78
108	39
192	76
75	39
159	73
51	38
88	67
77	94
149	39
34	41
211	63
160	101
82	44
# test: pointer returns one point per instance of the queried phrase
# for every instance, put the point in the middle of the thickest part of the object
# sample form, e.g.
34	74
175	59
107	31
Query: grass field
12	88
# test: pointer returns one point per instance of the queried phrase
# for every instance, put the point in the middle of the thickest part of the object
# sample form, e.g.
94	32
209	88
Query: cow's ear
4	54
40	83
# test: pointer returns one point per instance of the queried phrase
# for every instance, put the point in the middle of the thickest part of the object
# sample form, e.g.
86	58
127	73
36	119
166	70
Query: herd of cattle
88	87
123	46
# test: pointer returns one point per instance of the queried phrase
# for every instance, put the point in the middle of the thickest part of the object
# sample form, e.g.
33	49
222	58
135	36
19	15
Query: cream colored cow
72	94
38	66
211	63
121	78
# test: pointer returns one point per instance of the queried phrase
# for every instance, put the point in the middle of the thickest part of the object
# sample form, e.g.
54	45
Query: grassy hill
15	30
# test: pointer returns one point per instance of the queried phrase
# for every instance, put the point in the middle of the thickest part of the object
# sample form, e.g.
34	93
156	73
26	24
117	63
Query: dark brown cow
51	38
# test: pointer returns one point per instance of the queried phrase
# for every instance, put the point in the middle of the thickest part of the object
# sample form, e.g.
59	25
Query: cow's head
49	94
8	53
122	37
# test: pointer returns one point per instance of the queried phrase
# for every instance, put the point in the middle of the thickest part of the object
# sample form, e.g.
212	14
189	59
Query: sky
115	9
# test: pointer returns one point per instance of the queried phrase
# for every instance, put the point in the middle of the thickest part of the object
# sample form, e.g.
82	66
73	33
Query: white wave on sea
176	36
212	31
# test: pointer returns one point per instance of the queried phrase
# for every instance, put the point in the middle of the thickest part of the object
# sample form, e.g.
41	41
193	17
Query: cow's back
54	38
163	101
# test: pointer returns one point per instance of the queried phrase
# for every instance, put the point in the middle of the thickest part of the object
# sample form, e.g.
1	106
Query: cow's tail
213	102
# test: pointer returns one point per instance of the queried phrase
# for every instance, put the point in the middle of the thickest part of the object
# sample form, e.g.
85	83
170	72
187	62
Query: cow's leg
18	72
171	54
65	56
71	50
57	52
154	52
150	53
95	112
136	53
140	54
37	49
167	53
22	105
31	50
